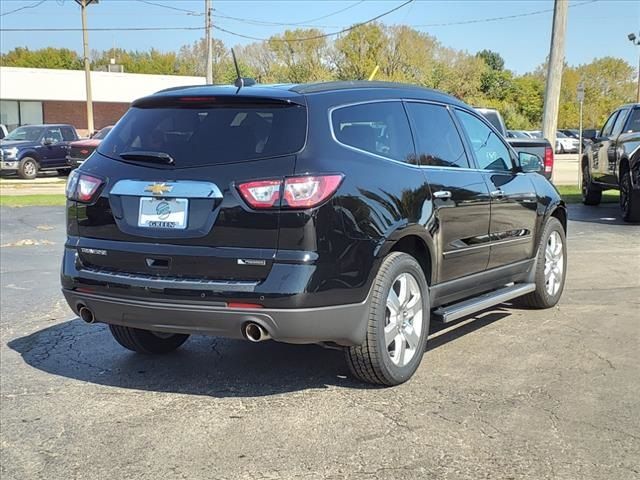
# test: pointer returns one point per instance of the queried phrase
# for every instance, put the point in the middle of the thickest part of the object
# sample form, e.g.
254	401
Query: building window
14	113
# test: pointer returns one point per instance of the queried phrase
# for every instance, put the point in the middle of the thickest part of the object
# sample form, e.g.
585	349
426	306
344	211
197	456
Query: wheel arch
416	245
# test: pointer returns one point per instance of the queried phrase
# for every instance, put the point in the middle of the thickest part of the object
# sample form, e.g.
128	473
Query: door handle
442	194
497	193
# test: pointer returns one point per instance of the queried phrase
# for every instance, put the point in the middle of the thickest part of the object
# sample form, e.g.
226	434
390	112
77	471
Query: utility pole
554	72
580	97
207	6
87	66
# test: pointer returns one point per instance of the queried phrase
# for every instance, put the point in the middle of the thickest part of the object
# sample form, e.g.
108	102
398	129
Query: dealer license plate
163	213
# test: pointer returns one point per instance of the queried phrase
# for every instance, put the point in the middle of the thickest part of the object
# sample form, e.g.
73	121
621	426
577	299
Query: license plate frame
163	213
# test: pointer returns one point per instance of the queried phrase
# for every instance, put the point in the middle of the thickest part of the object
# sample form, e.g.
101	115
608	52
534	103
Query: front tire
398	324
551	267
145	341
28	168
629	199
591	194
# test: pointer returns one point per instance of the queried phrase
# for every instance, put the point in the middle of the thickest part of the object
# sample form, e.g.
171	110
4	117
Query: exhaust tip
255	333
86	314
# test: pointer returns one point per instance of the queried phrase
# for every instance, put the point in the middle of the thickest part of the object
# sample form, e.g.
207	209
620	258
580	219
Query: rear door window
209	135
437	140
67	134
379	128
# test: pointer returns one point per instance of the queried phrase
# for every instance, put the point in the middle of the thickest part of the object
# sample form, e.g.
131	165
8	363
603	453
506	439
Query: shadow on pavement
208	366
604	214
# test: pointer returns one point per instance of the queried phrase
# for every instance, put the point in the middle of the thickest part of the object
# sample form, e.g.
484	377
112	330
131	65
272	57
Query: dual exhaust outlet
252	331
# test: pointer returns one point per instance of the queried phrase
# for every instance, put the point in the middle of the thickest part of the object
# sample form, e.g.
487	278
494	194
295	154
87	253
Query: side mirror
529	162
47	141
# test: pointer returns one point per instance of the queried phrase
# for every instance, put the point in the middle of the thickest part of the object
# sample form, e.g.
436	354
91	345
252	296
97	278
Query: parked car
346	214
517	134
612	161
536	146
535	133
3	131
81	149
32	148
575	133
566	144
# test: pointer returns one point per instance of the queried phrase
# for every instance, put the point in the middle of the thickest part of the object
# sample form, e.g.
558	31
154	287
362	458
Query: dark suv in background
612	162
347	214
31	148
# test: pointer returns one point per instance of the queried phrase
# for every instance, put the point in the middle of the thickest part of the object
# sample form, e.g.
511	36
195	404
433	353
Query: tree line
402	54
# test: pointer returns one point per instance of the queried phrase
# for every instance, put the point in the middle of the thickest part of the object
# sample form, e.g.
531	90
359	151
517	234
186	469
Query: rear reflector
548	160
243	305
299	192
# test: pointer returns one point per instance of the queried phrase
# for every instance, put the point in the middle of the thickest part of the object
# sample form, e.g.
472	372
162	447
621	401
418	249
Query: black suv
612	162
347	214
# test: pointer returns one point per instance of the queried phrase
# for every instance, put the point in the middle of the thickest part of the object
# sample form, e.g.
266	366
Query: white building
41	95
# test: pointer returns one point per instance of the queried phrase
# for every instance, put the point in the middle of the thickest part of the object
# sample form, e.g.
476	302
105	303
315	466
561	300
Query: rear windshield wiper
144	156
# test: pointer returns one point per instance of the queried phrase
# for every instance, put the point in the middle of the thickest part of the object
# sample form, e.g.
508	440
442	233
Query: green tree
493	59
358	52
60	58
299	61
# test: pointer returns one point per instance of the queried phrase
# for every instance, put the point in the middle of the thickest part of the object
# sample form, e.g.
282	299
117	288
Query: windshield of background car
31	134
102	133
210	135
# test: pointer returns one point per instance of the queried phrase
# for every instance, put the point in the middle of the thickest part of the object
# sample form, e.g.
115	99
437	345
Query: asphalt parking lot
509	394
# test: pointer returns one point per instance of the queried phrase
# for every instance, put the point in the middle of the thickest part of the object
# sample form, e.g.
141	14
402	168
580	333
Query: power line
98	29
292	24
125	29
495	19
316	37
33	5
170	7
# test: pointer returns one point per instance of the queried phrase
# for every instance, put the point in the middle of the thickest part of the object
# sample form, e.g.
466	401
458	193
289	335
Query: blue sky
595	29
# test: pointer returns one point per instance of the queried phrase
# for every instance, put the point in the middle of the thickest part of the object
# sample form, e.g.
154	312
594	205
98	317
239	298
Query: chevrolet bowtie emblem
158	188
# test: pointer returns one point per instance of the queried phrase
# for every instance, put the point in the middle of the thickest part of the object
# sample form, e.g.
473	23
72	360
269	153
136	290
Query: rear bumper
342	324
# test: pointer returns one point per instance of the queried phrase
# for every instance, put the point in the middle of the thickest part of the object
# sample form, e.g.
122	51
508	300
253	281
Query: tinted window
491	153
617	127
633	124
53	134
210	135
67	134
102	133
608	126
381	128
25	133
437	139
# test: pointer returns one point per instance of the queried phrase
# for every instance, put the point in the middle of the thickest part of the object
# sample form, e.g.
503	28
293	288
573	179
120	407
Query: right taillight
297	192
548	160
82	187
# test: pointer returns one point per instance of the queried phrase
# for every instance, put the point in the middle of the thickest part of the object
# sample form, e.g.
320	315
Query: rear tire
591	194
398	324
145	341
629	199
551	260
28	168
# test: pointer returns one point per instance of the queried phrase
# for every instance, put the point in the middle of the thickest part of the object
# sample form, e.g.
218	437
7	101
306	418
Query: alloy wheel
29	168
553	263
403	319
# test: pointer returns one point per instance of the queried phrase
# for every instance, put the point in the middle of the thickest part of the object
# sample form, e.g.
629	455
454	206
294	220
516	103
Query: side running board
467	307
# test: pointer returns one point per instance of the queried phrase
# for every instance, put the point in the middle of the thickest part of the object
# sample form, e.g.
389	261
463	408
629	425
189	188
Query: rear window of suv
219	134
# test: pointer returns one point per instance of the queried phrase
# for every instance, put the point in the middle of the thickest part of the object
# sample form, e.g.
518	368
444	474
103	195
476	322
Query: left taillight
82	187
292	192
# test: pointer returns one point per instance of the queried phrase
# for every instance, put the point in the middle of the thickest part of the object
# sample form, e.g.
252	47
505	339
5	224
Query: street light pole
87	66
636	41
